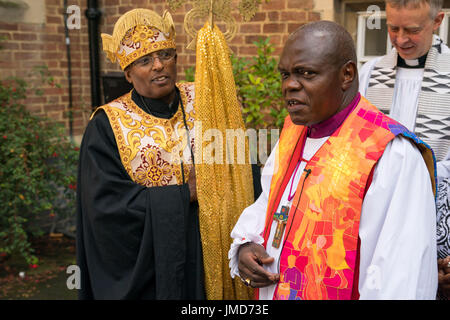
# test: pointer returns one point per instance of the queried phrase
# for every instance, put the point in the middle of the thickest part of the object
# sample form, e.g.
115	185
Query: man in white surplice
397	231
412	85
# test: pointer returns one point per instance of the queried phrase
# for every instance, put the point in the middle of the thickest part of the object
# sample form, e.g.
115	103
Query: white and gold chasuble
152	149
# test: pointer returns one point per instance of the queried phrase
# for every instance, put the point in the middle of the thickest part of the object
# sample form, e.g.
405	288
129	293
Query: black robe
133	242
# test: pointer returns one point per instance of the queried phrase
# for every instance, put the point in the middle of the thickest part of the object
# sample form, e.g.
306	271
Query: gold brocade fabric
223	190
151	148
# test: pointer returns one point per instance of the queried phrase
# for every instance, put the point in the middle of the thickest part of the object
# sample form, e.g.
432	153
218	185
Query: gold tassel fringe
129	20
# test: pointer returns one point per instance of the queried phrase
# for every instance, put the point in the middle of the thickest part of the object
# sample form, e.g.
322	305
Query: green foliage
189	74
37	168
8	4
259	87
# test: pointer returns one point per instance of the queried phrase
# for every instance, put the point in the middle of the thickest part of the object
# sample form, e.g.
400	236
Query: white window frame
443	29
361	36
362	22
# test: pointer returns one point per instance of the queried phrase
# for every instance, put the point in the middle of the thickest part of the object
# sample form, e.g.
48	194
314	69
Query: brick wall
36	44
32	44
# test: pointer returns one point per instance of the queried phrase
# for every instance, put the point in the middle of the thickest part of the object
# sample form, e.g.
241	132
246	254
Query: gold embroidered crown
138	33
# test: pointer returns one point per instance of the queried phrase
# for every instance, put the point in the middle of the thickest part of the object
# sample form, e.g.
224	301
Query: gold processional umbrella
224	190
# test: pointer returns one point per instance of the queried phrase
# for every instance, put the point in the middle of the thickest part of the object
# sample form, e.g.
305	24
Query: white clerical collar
412	63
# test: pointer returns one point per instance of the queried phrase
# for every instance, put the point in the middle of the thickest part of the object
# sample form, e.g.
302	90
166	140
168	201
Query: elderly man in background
412	85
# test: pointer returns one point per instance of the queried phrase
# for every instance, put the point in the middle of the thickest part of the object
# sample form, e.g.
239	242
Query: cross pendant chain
281	219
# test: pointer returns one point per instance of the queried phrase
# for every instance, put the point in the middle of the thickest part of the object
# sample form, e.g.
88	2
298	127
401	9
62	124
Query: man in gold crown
153	222
137	229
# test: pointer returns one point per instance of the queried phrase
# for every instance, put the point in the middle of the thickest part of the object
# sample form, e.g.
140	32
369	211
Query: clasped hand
252	257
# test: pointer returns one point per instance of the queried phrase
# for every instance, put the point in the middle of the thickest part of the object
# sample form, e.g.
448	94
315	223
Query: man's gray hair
435	5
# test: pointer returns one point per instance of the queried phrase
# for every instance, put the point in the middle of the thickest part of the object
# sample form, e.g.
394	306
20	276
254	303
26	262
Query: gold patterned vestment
151	148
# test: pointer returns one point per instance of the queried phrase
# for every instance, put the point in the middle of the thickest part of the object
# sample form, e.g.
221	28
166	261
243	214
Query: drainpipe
69	71
93	14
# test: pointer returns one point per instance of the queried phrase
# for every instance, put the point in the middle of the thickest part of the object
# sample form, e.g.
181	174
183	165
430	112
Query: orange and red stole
319	255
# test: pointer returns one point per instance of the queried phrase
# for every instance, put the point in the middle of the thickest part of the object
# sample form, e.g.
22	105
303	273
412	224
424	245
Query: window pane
375	40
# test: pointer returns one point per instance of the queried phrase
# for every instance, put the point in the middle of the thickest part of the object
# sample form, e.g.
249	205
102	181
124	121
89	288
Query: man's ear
349	72
127	72
438	20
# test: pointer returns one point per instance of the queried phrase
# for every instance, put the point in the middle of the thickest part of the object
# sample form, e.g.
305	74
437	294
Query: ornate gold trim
160	130
214	10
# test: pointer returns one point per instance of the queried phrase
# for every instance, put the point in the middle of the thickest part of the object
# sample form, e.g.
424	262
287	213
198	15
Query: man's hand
252	257
192	183
444	276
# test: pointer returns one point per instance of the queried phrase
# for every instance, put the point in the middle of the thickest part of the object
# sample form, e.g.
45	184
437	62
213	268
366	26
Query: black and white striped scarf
433	115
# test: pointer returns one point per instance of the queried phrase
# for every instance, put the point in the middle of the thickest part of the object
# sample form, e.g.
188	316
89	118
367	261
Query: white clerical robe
397	228
408	83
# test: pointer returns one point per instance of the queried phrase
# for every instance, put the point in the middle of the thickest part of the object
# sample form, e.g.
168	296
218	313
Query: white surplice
408	83
397	227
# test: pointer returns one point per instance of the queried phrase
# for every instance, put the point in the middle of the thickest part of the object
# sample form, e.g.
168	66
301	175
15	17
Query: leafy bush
259	87
37	168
